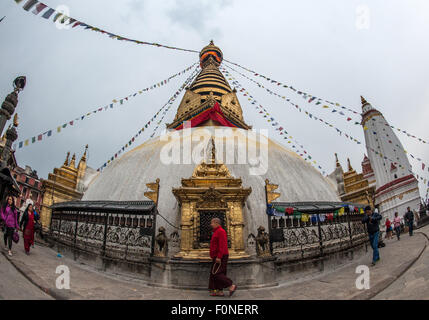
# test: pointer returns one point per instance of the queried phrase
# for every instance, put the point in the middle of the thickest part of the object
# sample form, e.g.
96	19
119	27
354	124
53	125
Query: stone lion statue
262	243
161	243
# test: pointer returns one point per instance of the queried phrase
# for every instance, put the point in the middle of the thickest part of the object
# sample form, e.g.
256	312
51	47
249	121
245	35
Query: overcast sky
315	46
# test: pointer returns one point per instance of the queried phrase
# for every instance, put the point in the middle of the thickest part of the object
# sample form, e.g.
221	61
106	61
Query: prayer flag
39	8
29	4
40	137
57	16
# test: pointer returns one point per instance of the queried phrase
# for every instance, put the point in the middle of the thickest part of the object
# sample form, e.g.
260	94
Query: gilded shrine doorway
205	230
211	192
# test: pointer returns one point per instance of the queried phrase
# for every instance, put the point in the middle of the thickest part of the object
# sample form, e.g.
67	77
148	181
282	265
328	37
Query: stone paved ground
14	286
386	280
414	284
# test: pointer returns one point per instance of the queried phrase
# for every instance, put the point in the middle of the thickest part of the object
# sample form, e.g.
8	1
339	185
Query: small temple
66	183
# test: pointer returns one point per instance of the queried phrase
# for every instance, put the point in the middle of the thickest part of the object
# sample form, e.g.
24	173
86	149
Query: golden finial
211	43
349	164
66	163
73	161
336	160
84	154
364	102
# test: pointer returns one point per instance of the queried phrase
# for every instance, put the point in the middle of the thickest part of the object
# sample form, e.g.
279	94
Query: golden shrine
357	186
64	184
211	192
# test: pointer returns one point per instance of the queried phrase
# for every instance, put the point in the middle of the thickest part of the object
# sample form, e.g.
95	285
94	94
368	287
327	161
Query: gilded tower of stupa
210	87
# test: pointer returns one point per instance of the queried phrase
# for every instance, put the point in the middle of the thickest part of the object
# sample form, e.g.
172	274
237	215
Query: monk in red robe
219	254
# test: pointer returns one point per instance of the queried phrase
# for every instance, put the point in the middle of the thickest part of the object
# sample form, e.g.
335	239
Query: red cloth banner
215	113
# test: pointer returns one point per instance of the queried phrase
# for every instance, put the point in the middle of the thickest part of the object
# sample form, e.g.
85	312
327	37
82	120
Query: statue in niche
161	243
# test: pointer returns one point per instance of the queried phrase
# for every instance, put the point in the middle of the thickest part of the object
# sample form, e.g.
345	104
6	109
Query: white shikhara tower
396	186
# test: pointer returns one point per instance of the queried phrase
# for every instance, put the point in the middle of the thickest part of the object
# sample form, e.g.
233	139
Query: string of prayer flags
300	92
318	101
59	17
169	103
176	95
279	129
114	102
340	132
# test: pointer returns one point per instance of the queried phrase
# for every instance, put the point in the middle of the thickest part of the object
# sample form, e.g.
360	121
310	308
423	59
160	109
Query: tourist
219	254
388	229
372	220
9	215
397	225
409	220
28	221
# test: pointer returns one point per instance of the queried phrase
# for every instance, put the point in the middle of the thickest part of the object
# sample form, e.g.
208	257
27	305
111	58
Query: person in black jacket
409	220
27	224
372	221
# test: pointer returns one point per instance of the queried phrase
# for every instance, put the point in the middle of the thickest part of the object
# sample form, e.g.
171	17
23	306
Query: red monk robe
29	232
219	249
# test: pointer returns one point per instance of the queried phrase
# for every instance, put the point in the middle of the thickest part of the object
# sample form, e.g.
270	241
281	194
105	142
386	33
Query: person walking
219	255
389	229
397	225
27	224
409	220
9	215
372	220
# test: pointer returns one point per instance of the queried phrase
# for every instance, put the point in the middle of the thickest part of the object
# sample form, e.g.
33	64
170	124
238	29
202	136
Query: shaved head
216	220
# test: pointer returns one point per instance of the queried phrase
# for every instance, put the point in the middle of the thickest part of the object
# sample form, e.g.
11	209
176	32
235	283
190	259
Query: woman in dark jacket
27	225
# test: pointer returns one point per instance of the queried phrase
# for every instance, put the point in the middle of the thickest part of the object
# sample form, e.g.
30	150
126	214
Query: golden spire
73	161
84	154
336	160
66	163
210	78
349	165
209	87
364	102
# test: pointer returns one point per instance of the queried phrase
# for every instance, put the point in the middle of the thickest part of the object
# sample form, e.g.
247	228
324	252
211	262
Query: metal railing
320	235
115	235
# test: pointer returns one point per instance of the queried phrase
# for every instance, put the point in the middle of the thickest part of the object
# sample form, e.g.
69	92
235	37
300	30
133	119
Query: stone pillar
11	136
7	109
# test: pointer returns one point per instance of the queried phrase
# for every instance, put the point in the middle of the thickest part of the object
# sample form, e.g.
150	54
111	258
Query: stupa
204	166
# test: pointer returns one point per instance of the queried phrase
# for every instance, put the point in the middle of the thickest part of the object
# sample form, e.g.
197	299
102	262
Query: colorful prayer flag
29	4
39	8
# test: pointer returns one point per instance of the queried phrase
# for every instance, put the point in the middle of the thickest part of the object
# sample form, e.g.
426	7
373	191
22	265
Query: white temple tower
396	186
